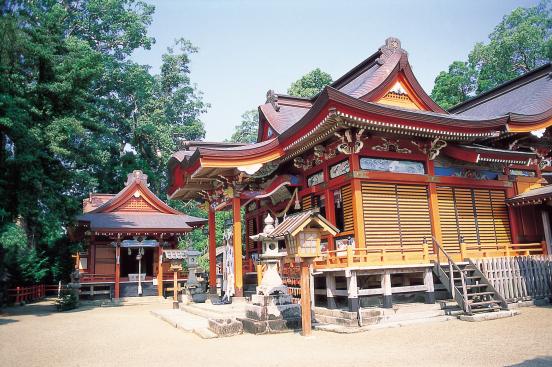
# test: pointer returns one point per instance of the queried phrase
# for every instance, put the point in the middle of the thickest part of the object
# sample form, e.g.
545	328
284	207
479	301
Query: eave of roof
475	154
532	197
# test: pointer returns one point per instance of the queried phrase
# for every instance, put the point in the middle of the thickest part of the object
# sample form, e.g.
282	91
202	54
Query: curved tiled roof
527	95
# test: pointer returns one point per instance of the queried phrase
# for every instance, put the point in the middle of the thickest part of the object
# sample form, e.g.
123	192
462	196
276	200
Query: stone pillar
386	285
237	236
330	290
117	269
428	282
352	292
212	252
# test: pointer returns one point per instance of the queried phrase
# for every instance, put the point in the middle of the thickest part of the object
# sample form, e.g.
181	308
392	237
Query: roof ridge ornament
392	45
137	176
272	98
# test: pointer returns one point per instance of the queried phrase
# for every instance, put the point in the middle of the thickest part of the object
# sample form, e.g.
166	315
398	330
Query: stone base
270	326
486	316
225	327
272	312
273	300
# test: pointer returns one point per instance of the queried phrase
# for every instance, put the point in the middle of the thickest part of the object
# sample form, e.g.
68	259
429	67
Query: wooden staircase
467	284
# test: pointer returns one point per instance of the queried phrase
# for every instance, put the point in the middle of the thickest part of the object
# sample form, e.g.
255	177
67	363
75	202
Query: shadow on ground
40	309
535	362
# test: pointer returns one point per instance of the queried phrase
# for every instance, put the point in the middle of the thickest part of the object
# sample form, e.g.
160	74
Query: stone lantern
271	308
302	232
195	288
271	282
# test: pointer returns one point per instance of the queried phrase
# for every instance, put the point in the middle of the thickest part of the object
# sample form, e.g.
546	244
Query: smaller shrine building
124	235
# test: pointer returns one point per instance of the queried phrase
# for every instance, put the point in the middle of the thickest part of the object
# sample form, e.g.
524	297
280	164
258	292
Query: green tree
454	86
247	130
310	84
519	43
76	115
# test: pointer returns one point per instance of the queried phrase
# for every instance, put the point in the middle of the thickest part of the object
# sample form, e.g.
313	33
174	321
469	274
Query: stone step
350	330
486	316
186	322
325	319
413	316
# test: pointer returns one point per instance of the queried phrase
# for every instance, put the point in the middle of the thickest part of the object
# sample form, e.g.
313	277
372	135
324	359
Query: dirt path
36	335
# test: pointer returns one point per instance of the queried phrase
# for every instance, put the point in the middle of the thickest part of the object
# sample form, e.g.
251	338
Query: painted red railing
27	294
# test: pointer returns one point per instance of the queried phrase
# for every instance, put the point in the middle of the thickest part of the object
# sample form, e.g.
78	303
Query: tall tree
310	84
455	85
307	86
247	130
519	43
76	115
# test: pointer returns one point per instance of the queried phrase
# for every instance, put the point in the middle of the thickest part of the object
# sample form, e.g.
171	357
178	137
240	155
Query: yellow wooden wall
395	214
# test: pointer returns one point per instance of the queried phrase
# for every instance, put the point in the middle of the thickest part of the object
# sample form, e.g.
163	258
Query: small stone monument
271	309
195	288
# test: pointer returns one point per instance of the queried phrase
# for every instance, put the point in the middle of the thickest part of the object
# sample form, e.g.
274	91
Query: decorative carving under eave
542	157
266	170
320	155
350	142
432	149
389	145
272	98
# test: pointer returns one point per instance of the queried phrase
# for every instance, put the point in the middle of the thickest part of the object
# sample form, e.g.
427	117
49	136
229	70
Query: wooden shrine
399	177
125	235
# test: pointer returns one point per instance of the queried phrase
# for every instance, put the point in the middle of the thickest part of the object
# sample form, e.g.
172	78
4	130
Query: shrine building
401	178
124	236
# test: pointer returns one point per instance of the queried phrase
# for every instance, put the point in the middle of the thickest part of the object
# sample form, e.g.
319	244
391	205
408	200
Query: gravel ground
36	335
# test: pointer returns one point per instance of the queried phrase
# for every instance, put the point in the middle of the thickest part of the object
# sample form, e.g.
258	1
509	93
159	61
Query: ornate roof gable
136	197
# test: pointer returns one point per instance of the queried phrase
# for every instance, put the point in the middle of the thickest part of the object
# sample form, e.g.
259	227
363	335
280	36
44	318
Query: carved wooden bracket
389	145
432	149
350	141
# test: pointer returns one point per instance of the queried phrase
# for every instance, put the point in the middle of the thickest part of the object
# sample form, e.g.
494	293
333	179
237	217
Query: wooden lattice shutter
381	219
395	214
250	232
447	218
479	215
306	202
500	216
415	221
347	197
467	224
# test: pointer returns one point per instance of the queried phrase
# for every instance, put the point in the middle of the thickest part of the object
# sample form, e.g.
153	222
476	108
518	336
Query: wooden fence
519	278
32	293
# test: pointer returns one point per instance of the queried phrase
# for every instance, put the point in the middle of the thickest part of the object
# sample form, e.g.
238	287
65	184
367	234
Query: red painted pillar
212	251
117	269
513	216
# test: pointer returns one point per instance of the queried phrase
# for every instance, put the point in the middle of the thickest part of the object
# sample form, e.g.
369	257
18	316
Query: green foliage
454	86
68	300
519	43
310	84
76	115
247	130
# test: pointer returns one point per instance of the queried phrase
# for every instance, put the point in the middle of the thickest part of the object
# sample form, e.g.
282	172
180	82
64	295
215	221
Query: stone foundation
225	327
271	314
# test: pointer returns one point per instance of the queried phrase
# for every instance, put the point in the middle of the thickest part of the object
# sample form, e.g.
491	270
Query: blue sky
248	47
